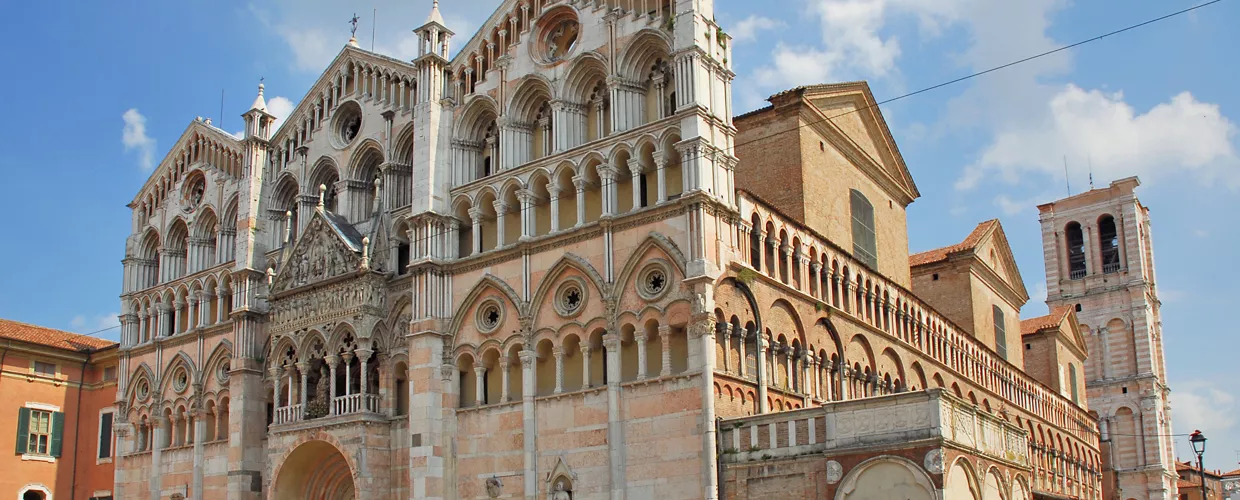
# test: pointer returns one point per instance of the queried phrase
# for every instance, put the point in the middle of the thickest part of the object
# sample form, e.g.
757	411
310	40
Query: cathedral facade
555	266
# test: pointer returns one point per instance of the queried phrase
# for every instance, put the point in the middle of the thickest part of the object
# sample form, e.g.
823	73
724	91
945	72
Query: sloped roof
1053	320
34	334
1232	473
941	254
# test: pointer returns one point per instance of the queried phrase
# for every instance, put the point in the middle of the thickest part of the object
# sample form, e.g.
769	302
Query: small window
865	244
1124	390
1078	308
1000	332
45	369
1028	346
105	435
1108	243
402	259
934	277
109	374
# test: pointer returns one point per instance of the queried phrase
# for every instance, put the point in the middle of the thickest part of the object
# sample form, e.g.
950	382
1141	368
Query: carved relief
934	461
320	254
835	472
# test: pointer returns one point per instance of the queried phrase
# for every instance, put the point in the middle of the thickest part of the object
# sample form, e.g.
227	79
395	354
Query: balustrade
288	414
354	403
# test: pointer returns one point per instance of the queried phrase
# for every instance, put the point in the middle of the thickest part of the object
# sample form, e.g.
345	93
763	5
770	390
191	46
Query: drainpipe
77	433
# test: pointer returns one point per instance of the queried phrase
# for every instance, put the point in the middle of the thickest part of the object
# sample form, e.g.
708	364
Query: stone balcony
931	417
342	406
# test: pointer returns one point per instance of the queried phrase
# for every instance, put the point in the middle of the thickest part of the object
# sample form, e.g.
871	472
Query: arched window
1108	243
1076	251
1000	333
865	245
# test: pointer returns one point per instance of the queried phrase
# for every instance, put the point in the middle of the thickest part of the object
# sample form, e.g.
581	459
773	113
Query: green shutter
23	429
58	431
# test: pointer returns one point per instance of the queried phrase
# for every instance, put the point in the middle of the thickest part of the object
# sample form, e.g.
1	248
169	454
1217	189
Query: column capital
363	354
480	370
611	341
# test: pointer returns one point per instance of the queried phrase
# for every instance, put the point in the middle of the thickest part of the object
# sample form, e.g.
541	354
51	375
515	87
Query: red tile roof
1232	473
1034	325
43	336
941	254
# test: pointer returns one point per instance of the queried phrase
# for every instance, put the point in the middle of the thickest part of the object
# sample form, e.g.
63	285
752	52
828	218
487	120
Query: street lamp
1199	447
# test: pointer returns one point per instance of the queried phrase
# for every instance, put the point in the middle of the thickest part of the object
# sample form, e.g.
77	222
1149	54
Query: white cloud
135	139
280	107
748	28
793	66
1183	136
1202	405
83	324
851	45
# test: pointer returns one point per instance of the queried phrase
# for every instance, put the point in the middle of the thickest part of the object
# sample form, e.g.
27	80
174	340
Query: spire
260	103
435	16
353	30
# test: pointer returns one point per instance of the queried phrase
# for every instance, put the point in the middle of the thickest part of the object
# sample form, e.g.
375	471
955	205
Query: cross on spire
353	22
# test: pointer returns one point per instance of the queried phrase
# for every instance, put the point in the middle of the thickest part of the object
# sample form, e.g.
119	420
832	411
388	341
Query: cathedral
556	266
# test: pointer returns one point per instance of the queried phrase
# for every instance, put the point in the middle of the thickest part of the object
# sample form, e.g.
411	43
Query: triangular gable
1004	263
347	55
195	131
1070	331
328	248
848	113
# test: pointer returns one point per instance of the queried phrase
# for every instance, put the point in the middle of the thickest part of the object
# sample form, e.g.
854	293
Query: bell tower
1099	254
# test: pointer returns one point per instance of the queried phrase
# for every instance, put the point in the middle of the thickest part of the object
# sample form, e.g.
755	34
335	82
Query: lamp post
1199	447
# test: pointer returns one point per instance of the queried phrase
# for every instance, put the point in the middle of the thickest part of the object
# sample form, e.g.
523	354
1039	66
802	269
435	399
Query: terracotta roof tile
1033	325
34	334
941	254
1232	473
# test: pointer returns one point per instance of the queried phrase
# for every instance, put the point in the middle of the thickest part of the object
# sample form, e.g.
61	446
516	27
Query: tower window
1108	242
864	241
1078	308
1076	251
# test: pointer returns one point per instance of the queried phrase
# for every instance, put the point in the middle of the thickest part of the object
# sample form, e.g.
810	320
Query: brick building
56	413
1099	254
1188	481
555	266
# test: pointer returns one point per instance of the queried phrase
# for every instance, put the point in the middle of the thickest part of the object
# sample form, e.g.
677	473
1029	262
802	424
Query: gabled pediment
848	115
328	248
994	251
199	143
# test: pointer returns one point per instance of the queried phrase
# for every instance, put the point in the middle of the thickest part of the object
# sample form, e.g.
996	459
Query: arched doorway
316	470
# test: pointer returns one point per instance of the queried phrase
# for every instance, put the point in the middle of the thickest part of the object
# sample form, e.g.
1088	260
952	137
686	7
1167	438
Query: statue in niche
318	407
561	491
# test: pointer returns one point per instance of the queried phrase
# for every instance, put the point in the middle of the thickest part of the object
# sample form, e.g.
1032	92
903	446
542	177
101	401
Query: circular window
347	124
570	297
490	315
221	373
652	281
558	39
195	189
144	390
180	380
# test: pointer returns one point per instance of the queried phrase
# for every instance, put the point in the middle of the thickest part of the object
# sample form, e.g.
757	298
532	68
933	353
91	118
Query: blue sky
97	91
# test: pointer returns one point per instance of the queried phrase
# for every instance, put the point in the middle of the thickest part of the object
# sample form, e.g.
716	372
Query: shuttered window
105	435
865	244
39	432
1076	395
1000	333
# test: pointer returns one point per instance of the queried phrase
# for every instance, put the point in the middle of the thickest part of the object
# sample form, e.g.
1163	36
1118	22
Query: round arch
884	477
314	470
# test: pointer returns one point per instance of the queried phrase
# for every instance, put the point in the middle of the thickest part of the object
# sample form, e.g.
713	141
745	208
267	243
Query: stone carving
319	406
321	305
319	254
835	472
494	487
560	493
934	461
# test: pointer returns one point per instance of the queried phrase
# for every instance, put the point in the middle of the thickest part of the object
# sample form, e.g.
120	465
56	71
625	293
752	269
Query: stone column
585	366
580	183
607	175
501	209
480	373
665	343
364	355
635	169
475	215
558	352
615	428
529	421
347	357
553	191
200	435
503	390
157	444
331	360
640	337
727	344
527	212
742	361
303	380
178	314
762	375
660	165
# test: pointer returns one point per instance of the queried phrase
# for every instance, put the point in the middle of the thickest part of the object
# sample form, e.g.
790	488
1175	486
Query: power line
993	69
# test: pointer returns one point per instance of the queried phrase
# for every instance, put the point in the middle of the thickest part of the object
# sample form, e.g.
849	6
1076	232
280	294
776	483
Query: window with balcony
1076	251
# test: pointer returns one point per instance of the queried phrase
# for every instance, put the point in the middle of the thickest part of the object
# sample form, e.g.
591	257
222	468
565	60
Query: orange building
56	394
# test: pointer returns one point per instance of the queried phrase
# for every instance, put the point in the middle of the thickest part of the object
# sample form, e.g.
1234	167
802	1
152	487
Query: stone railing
870	298
354	403
895	420
288	414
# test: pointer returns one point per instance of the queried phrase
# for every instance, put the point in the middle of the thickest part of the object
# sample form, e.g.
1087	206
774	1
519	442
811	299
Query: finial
365	265
322	194
353	30
288	225
259	102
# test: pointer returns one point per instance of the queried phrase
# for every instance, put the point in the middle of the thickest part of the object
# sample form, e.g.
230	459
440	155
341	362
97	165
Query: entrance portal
316	470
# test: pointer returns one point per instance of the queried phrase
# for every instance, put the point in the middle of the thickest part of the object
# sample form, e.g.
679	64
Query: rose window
652	282
490	315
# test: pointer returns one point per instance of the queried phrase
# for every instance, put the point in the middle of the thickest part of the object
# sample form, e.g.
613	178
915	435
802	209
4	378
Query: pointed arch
552	277
179	359
487	281
640	54
653	240
586	71
142	372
